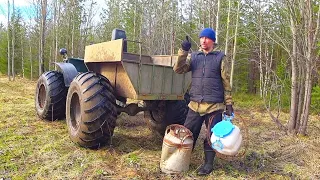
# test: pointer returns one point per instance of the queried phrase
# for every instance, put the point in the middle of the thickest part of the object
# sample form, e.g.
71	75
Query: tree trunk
57	19
31	68
88	23
171	31
294	97
307	101
134	25
8	36
234	45
311	38
268	67
163	45
227	33
260	52
22	56
141	22
42	35
300	91
73	27
53	48
13	41
217	22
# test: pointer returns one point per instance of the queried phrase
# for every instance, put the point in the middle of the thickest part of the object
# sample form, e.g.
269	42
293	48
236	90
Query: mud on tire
91	110
167	113
50	98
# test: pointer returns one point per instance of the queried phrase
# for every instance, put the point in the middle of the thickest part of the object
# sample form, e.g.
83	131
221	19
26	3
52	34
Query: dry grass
34	149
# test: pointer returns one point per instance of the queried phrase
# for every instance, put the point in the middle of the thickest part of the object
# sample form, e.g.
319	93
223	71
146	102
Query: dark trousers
194	122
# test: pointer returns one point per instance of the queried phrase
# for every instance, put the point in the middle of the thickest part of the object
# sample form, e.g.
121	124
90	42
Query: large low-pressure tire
167	113
91	110
50	98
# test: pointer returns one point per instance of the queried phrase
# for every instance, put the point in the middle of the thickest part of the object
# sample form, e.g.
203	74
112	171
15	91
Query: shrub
315	100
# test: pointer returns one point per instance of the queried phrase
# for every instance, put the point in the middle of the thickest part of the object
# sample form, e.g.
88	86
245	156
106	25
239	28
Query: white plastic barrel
226	138
176	149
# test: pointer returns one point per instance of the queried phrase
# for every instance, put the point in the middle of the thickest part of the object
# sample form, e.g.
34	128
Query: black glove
229	110
186	45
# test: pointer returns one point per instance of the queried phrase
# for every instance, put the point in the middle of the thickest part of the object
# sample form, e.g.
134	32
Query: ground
31	148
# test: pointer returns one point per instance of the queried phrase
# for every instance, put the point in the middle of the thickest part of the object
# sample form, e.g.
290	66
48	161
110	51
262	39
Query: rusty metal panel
124	85
117	76
108	70
102	52
132	70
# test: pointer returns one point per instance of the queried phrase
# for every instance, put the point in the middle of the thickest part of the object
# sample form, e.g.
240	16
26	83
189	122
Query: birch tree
260	50
312	21
304	20
217	22
8	36
235	44
42	35
13	42
227	29
22	53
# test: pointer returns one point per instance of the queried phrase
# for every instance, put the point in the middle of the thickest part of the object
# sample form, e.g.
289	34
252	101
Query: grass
31	148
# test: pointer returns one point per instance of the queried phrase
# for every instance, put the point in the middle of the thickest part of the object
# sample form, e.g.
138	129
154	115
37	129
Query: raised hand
186	45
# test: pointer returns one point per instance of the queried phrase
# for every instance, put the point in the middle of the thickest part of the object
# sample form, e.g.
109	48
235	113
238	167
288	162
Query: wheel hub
42	96
75	111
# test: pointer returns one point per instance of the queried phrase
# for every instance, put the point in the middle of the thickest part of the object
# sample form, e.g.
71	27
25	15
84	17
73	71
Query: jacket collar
214	51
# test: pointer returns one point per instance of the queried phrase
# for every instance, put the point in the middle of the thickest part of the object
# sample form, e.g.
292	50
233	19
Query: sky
25	5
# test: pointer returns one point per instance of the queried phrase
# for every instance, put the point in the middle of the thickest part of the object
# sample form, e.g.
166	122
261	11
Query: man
210	91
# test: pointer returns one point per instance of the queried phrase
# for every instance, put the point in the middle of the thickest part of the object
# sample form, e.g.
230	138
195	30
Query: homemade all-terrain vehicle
91	92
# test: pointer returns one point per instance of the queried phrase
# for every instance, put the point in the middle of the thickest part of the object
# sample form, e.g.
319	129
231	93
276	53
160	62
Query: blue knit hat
209	33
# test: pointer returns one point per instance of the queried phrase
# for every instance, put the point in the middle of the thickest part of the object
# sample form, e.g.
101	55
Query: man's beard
206	48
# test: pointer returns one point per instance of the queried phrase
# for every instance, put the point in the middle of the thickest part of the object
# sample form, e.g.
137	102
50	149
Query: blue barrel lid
222	129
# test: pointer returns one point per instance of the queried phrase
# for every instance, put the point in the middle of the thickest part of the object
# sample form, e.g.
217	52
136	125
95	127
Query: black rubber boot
207	167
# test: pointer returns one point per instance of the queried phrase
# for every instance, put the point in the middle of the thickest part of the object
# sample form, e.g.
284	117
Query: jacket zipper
203	71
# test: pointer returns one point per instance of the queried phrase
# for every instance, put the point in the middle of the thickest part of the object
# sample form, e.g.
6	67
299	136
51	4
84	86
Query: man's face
206	43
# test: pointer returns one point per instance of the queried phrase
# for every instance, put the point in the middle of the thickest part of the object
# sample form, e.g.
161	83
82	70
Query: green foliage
290	168
133	159
281	70
3	51
248	101
241	74
19	36
315	100
112	18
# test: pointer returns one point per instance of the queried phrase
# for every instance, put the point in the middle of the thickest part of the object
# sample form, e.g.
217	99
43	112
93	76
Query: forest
272	47
273	57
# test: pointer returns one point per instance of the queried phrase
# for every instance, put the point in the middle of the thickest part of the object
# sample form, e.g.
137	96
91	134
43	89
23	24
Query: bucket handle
228	118
188	132
185	137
